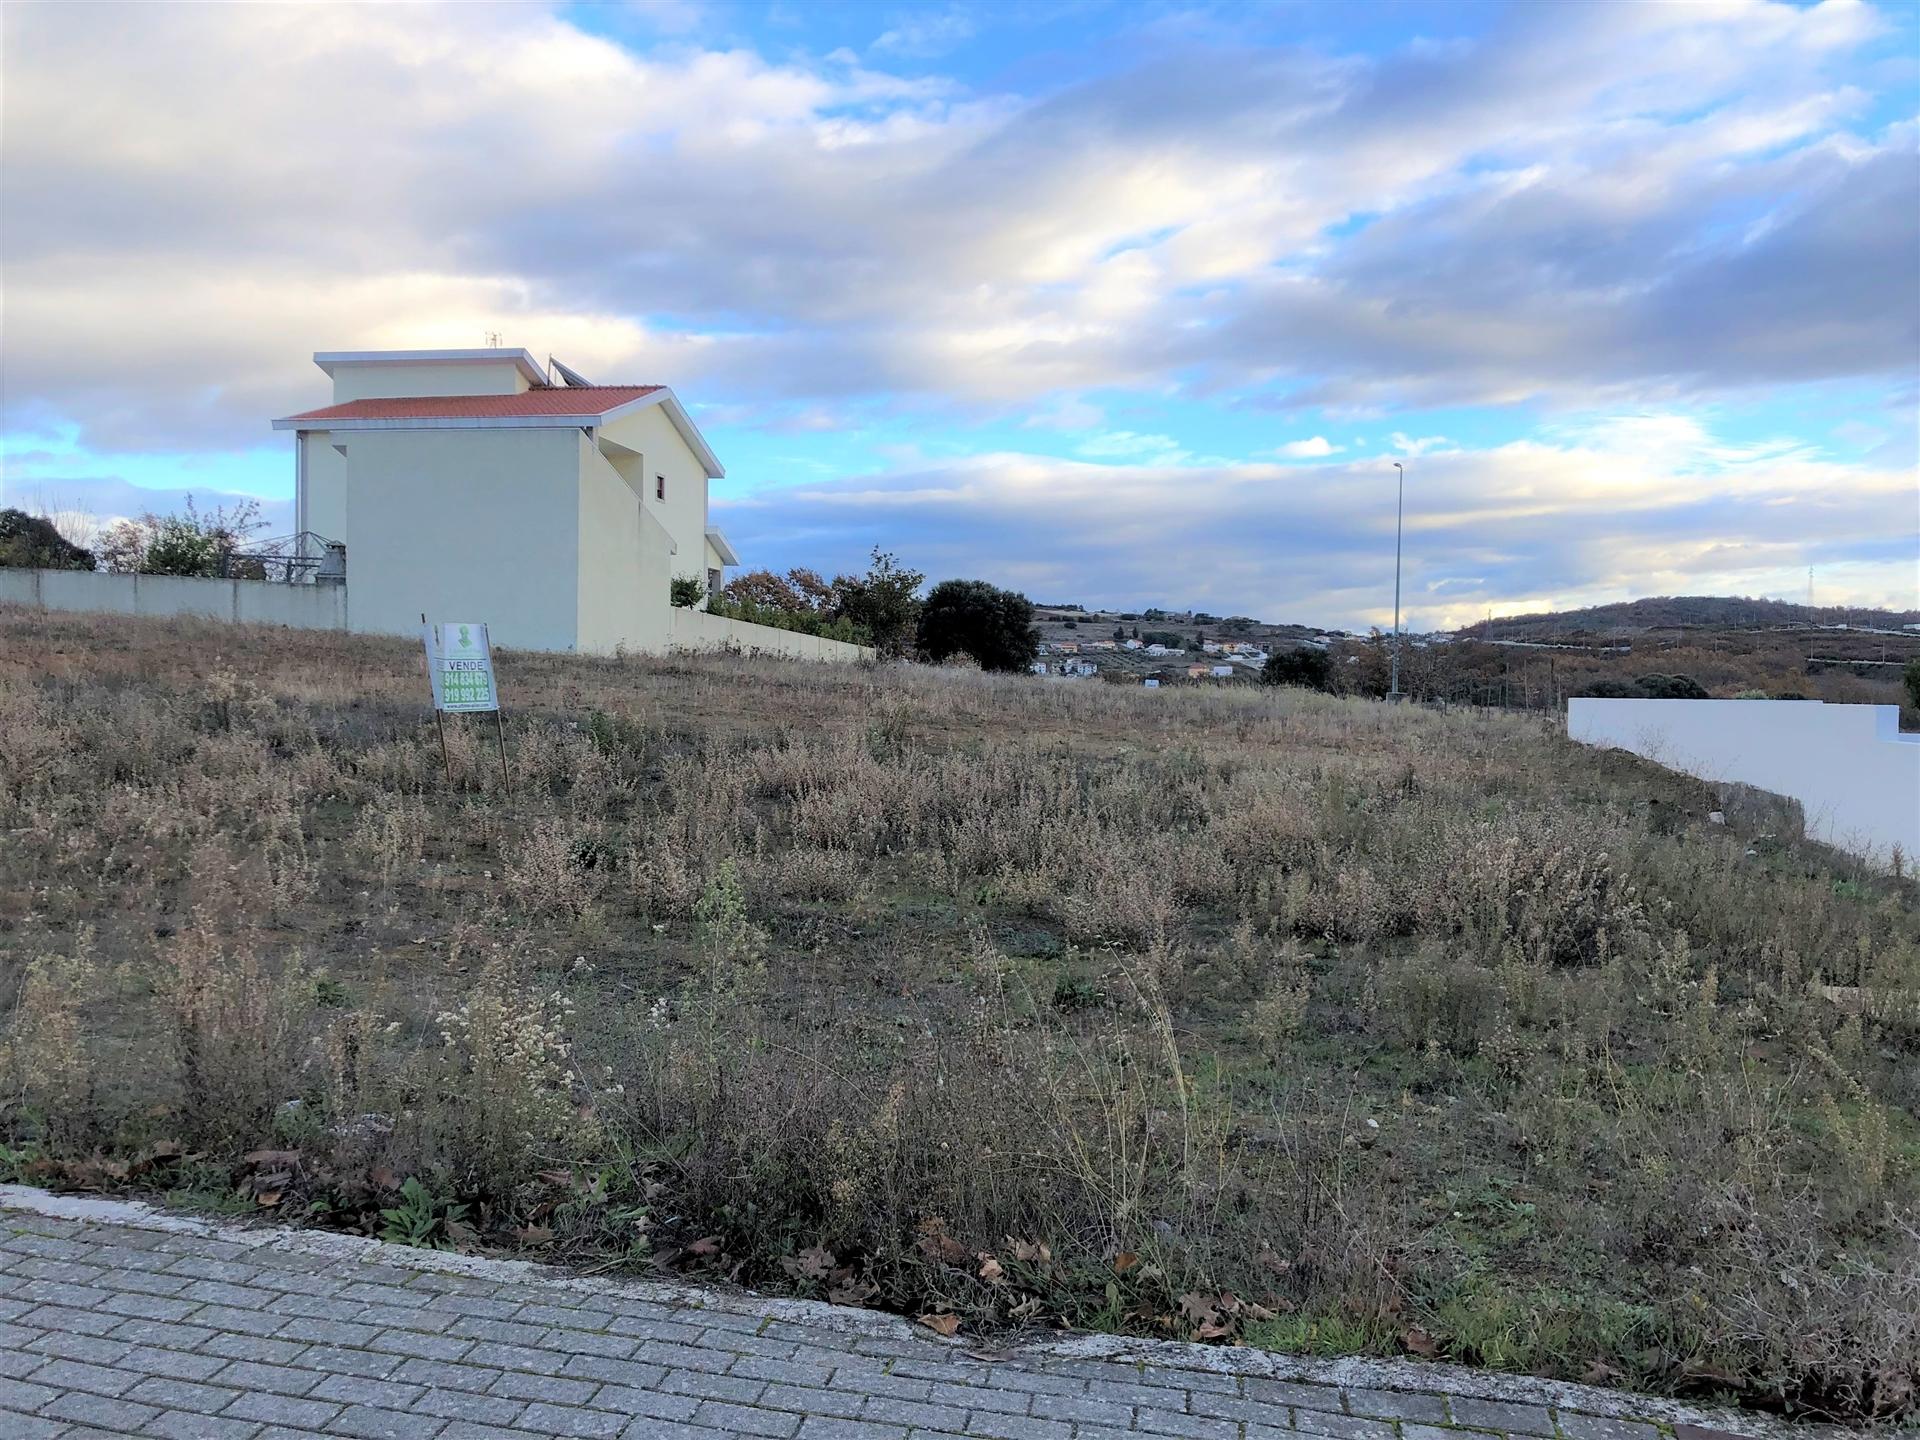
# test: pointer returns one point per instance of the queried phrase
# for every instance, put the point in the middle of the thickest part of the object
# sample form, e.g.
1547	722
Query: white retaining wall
690	629
1857	778
324	607
253	602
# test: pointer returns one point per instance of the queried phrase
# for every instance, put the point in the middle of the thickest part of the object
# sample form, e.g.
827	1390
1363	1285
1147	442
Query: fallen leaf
707	1245
1029	1252
990	1270
1124	1262
941	1324
1198	1308
936	1244
1419	1342
533	1235
816	1262
267	1199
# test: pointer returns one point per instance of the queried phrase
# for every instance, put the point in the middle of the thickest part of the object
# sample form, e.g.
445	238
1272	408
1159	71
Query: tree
1305	666
1119	632
1911	675
32	542
192	544
885	602
685	591
763	589
974	618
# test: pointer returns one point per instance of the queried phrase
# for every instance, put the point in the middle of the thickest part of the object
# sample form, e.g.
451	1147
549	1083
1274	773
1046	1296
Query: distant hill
1683	612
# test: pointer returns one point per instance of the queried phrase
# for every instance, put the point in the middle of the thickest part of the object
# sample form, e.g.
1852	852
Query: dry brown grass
1031	1003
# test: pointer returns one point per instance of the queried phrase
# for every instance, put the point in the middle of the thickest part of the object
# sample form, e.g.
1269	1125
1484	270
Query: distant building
1135	644
1198	672
1150	683
1156	650
1220	671
1038	667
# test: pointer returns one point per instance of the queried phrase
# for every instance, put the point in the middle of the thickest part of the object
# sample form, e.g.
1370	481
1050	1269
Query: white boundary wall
324	607
1857	778
690	629
251	602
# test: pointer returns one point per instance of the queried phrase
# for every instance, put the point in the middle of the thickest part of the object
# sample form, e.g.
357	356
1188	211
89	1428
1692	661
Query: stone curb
1350	1373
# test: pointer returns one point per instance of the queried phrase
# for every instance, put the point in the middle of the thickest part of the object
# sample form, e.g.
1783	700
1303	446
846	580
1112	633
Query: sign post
460	670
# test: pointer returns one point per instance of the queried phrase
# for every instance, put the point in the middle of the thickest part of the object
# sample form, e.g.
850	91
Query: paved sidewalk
117	1320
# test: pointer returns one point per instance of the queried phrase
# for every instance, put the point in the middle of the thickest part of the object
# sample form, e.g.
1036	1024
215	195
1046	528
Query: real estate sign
460	666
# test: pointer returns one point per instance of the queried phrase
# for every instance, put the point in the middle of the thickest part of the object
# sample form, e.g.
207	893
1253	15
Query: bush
685	591
31	542
1305	666
1911	678
1672	687
1647	687
884	602
971	617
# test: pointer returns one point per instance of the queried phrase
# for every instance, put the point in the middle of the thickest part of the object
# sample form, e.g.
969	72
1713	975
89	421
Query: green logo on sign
466	641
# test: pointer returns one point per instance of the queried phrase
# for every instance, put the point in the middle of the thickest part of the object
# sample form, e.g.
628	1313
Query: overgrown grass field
1232	1015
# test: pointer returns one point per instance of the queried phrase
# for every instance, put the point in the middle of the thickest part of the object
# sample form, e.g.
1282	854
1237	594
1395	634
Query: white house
474	484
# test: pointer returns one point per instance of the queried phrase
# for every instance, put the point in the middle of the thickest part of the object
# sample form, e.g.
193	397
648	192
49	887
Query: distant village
1155	647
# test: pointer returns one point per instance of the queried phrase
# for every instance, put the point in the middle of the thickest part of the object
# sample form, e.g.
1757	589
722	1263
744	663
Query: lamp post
1399	515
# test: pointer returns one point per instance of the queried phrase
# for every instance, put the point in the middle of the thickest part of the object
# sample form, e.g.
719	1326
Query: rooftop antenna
493	339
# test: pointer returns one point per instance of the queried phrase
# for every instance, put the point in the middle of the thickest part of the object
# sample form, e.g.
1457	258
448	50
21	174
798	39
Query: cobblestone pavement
117	1320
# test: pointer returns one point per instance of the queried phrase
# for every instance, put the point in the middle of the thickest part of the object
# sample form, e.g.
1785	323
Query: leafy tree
685	591
1305	666
762	589
1119	632
1911	675
32	542
1168	638
813	591
191	544
974	618
885	602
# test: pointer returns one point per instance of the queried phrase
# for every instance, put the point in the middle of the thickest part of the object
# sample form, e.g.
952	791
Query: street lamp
1399	515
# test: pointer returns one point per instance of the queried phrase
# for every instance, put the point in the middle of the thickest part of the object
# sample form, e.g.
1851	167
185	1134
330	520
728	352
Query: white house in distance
474	484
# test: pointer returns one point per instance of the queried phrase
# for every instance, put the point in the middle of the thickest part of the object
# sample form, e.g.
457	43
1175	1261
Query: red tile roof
556	400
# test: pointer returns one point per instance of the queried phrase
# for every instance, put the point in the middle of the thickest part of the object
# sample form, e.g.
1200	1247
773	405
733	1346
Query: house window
659	487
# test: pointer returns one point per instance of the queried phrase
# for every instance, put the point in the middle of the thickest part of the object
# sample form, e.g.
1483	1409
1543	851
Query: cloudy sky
1119	303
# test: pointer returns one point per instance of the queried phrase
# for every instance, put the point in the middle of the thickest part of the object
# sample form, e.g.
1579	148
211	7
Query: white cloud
1485	528
1547	208
925	35
1316	447
1129	445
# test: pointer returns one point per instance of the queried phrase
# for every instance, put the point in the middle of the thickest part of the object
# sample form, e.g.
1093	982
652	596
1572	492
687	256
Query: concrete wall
1856	777
465	525
651	628
684	512
689	629
405	378
323	497
625	559
252	602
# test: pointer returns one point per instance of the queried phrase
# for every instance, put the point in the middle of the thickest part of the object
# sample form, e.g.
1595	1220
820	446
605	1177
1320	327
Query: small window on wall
659	487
